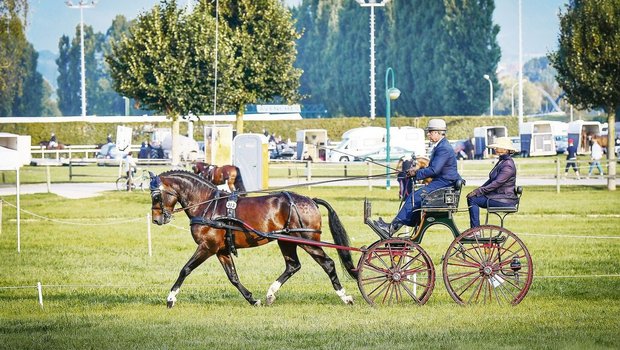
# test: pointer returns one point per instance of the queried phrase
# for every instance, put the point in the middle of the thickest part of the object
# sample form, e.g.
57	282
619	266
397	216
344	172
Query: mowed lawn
101	289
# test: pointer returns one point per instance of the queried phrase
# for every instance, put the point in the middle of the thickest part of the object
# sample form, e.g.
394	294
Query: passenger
499	189
443	171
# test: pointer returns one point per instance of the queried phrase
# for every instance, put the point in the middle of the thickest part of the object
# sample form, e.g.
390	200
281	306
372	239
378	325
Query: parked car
381	154
109	154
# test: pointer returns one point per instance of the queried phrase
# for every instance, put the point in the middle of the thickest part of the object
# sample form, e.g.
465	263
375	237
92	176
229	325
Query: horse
218	175
46	145
405	182
218	233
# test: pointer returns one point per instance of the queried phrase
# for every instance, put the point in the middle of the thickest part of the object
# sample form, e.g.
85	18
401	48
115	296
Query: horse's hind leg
291	260
328	265
229	267
198	258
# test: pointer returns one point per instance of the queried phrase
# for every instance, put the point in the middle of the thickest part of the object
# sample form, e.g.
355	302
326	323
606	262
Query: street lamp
82	5
512	97
372	4
217	32
391	94
486	76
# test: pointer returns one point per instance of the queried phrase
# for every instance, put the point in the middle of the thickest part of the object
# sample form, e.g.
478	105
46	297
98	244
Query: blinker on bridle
156	188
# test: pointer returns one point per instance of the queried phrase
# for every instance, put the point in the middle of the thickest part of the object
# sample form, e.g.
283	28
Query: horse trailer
537	139
311	144
484	136
581	132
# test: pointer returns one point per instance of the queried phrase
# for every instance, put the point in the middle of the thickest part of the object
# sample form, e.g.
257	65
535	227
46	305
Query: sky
50	19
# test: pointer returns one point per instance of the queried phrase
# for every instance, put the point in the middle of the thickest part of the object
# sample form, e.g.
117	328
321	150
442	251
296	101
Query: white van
362	141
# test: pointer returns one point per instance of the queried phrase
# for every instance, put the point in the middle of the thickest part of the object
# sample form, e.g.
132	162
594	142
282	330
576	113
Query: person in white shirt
596	155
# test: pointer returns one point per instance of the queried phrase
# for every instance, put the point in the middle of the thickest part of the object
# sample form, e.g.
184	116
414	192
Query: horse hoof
257	303
170	303
348	300
270	299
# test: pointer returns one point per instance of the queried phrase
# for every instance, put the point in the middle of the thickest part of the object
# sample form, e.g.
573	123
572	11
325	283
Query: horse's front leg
201	254
229	267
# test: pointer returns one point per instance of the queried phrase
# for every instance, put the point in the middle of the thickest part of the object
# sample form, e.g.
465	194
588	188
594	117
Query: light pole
82	5
217	32
391	94
486	76
512	97
372	4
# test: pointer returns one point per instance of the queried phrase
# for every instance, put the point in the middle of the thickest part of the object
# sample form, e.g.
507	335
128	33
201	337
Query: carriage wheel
395	271
487	264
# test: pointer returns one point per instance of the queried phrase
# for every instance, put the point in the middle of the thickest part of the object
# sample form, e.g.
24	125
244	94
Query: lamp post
486	76
217	32
372	4
391	94
82	5
512	97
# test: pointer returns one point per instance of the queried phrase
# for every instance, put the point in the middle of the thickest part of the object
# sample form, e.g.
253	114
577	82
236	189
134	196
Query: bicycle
137	182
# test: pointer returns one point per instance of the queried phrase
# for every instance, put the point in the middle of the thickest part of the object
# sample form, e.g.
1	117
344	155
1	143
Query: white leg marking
172	297
271	292
347	299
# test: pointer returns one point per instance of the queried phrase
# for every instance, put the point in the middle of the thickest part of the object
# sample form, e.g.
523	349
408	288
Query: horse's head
162	201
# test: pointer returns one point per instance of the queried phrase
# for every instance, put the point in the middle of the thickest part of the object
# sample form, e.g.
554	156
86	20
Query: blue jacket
442	165
501	183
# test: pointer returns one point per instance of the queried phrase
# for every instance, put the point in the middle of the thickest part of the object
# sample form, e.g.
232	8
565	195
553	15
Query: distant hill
46	65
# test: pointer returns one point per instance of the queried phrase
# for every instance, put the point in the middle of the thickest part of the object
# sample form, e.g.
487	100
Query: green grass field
101	290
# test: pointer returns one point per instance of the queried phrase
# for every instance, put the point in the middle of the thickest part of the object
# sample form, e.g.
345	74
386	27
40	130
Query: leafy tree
20	83
263	45
588	61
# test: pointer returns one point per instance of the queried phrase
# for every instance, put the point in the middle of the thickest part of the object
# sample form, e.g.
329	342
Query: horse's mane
190	176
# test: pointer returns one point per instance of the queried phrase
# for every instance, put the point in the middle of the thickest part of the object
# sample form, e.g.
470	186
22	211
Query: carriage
483	265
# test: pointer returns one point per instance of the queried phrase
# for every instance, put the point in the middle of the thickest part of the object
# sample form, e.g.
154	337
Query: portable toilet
484	136
251	156
537	139
311	144
581	132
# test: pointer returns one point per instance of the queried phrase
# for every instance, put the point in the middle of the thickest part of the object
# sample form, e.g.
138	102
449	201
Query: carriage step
492	240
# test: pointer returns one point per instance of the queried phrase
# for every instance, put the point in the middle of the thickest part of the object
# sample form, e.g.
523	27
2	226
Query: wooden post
369	175
557	175
48	176
148	233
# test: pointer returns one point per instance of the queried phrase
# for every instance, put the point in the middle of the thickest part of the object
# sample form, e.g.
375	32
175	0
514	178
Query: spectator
469	148
571	159
144	150
596	155
109	139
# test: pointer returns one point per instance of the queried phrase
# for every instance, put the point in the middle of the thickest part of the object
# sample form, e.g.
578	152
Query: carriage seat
445	198
502	212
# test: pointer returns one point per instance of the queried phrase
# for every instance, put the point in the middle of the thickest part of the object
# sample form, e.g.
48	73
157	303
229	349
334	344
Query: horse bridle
156	188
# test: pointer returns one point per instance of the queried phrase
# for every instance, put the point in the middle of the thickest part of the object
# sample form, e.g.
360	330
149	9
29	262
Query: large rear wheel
396	271
487	264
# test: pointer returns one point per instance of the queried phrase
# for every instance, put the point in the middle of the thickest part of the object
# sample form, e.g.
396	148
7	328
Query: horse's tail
239	182
340	237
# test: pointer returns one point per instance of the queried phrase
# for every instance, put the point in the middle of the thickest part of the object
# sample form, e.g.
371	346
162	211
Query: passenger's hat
436	125
503	142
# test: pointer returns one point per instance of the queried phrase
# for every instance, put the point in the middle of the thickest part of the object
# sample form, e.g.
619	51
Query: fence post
369	175
308	171
148	233
40	293
70	171
49	180
557	175
1	203
345	170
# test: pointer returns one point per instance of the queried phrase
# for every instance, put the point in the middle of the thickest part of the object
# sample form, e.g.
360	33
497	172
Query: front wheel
396	271
121	183
487	264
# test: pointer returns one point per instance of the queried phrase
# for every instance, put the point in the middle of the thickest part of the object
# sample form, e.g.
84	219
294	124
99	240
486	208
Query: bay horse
45	144
285	213
218	175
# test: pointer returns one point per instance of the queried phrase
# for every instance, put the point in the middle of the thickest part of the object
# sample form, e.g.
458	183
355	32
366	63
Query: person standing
499	189
443	171
596	155
571	159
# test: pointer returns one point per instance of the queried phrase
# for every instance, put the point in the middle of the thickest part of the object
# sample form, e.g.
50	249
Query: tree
21	85
588	61
263	45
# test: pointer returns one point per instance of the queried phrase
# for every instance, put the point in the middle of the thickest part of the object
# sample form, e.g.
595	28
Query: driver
442	169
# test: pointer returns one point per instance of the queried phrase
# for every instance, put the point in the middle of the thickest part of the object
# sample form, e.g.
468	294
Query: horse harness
231	223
